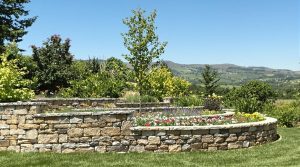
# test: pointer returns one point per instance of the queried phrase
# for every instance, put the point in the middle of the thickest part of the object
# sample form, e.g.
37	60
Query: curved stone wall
23	128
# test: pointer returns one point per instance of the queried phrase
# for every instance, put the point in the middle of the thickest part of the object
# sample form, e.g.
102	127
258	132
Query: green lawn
285	152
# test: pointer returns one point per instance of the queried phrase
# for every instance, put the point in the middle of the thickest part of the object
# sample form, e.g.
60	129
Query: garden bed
24	128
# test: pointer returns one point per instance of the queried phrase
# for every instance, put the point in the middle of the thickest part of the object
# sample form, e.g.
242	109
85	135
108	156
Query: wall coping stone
43	115
267	121
23	103
76	99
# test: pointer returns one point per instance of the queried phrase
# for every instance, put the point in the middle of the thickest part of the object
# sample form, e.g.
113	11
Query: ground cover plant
173	120
285	152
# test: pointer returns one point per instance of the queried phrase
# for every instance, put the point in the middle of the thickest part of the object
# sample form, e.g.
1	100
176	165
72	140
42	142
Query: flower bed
173	120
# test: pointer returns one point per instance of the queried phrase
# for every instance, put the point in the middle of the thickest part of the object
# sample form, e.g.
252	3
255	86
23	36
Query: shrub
251	97
213	102
97	85
13	87
185	101
288	115
162	84
134	97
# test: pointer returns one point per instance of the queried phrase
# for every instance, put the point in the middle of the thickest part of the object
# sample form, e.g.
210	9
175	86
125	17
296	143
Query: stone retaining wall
95	102
23	128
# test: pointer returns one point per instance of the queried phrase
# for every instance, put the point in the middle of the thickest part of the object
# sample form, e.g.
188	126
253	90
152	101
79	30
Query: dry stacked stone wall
23	128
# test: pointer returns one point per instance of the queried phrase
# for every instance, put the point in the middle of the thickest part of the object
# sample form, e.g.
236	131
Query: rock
31	134
231	138
207	139
142	141
111	131
234	145
153	140
219	139
196	146
186	147
4	143
75	132
137	148
91	132
174	148
125	128
170	142
151	147
101	149
47	138
62	138
76	120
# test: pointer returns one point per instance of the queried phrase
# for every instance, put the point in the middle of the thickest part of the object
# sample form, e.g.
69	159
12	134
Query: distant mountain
231	74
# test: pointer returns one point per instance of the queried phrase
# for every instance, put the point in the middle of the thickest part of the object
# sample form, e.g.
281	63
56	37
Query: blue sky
242	32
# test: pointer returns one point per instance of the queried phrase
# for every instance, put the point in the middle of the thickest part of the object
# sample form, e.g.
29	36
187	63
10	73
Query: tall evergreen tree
13	21
54	62
209	80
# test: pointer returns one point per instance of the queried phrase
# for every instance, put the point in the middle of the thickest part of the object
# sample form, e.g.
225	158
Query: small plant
134	97
186	101
213	102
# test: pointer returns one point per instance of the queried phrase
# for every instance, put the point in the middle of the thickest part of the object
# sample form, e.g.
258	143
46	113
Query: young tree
210	80
143	45
13	21
54	62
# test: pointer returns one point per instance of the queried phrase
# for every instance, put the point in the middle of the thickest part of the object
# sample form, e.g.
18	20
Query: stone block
110	131
153	140
47	138
76	119
174	148
31	134
75	132
63	138
91	132
207	138
137	148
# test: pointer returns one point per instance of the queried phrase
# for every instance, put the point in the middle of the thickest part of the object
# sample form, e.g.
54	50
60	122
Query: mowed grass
285	152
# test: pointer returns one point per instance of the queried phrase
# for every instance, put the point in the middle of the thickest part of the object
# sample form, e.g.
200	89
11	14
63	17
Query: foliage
251	97
288	114
13	86
162	83
213	102
185	101
210	80
143	45
94	65
13	21
134	97
54	62
97	85
173	120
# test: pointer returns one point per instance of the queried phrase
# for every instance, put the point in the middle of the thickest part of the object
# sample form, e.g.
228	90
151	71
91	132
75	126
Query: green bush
186	101
97	85
13	87
288	115
251	97
134	97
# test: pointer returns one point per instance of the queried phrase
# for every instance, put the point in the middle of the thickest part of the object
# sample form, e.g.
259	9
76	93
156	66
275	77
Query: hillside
235	75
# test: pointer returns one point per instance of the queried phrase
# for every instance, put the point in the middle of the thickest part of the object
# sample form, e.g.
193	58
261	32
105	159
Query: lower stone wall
24	129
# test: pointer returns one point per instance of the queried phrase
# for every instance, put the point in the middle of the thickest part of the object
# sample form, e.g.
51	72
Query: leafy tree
13	21
210	80
13	86
54	62
143	45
